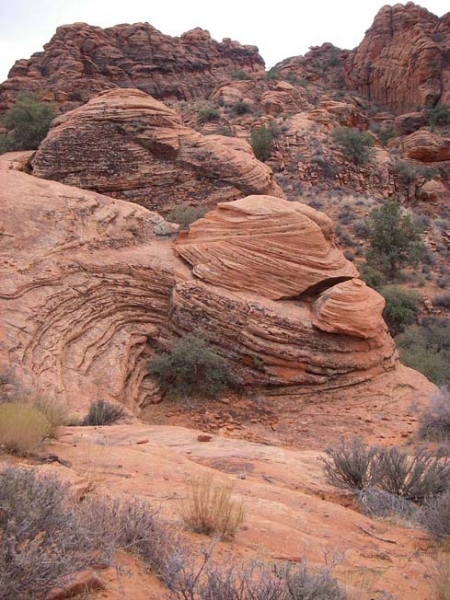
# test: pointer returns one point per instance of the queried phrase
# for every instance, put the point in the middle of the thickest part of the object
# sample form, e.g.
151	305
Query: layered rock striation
81	60
92	287
402	62
128	145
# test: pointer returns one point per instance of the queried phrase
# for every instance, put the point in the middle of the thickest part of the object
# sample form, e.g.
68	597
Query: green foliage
207	114
22	427
28	122
426	348
191	369
241	108
262	142
402	307
103	413
373	277
185	214
355	144
439	115
273	74
242	75
394	238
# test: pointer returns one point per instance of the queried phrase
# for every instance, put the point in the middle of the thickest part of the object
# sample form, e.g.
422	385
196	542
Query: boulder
426	146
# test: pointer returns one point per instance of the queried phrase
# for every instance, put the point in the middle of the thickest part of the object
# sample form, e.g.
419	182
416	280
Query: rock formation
402	63
81	60
128	145
92	285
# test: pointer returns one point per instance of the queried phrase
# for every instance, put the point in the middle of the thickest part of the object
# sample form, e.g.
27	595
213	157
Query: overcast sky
280	28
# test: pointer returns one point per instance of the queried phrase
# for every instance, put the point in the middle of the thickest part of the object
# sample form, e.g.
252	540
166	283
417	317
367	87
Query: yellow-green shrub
22	427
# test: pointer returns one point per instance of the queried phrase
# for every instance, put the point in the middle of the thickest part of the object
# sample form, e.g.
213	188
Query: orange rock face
264	245
426	146
92	285
401	62
81	60
126	144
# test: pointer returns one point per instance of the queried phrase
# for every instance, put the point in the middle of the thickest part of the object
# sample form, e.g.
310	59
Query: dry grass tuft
22	428
209	509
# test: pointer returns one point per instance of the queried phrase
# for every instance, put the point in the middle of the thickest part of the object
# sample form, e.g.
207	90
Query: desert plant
209	509
436	517
55	411
186	214
192	368
28	121
242	75
102	412
241	108
401	309
372	276
304	584
378	503
394	238
207	114
439	115
355	144
262	143
351	464
442	299
434	421
22	427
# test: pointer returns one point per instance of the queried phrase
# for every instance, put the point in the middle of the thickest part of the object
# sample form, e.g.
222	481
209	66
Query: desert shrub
191	368
372	276
304	584
241	108
273	74
385	134
416	477
209	509
6	143
207	114
426	348
436	517
402	307
378	503
355	144
22	427
28	121
394	238
434	421
185	214
361	228
241	75
262	143
351	464
439	115
102	412
55	411
442	300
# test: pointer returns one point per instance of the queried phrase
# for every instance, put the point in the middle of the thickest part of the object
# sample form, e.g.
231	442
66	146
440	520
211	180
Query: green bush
241	108
207	114
28	122
395	239
439	115
373	277
191	369
262	142
242	75
185	214
402	307
103	413
355	144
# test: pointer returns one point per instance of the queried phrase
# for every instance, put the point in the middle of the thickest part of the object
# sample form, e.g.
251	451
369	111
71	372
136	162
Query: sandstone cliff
402	62
91	286
126	144
81	60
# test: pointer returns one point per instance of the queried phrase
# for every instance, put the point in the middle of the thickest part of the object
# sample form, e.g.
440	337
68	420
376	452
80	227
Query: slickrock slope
268	246
128	145
91	286
81	60
401	63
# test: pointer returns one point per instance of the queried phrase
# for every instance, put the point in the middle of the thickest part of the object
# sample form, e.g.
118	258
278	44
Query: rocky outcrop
402	62
81	60
426	146
264	245
91	286
128	145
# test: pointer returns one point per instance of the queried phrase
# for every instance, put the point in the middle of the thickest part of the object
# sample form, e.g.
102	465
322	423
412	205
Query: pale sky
280	28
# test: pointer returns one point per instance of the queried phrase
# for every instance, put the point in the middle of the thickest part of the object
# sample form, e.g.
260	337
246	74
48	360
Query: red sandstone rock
426	146
78	583
401	63
126	144
81	60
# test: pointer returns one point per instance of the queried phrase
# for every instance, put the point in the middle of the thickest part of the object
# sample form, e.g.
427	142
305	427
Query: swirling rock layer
264	245
91	288
126	144
81	60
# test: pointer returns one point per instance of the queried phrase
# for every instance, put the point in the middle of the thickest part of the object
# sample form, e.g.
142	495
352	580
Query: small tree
394	238
262	143
355	144
28	122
